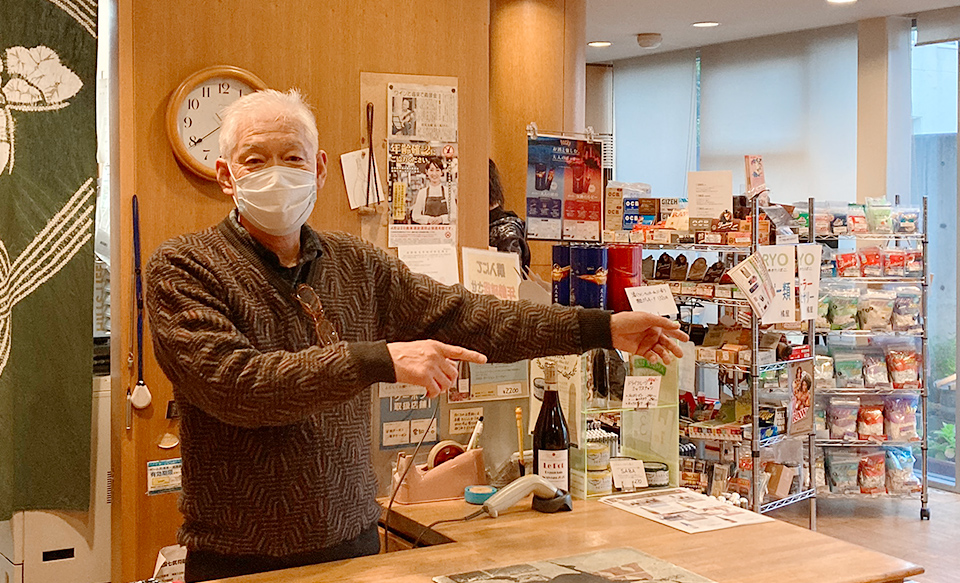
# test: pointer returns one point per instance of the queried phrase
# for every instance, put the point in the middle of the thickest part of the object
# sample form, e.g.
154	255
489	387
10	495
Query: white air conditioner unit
53	547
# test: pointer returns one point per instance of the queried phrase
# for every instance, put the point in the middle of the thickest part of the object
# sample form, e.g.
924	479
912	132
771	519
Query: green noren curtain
48	178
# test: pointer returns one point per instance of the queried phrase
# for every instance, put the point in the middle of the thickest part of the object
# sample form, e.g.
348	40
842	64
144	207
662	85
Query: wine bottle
551	439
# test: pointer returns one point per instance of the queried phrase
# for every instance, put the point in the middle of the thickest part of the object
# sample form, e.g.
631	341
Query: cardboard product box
701	224
661	236
668	205
639	236
781	479
649	207
688	288
710	238
676	287
707	354
773	416
738	239
647	220
613	208
738	294
800	351
704	290
727	354
723	291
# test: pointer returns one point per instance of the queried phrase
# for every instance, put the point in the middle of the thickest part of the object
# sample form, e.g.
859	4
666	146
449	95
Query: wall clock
193	114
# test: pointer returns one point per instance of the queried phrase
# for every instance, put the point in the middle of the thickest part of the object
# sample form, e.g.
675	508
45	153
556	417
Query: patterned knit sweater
275	430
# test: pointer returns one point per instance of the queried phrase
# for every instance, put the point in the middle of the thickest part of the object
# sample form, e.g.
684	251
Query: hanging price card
628	475
641	392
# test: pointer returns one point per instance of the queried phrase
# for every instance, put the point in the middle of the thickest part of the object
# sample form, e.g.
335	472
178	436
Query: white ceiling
619	21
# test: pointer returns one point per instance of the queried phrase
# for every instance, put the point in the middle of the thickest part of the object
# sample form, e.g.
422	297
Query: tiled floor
894	527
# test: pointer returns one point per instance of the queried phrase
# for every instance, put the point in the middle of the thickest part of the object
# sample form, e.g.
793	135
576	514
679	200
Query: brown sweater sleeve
215	367
418	307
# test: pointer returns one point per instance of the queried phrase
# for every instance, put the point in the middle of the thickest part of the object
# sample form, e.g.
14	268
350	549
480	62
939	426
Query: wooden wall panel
320	46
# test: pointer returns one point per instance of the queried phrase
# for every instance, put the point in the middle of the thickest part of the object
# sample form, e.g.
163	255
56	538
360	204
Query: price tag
510	390
641	392
628	475
656	299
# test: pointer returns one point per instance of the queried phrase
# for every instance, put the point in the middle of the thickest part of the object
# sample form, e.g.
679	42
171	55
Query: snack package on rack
906	220
872	476
894	262
870	422
822	219
823	309
876	308
823	371
900	476
842	417
844	305
900	417
903	365
856	218
871	262
879	215
838	226
914	263
848	264
906	310
828	263
849	369
875	374
842	469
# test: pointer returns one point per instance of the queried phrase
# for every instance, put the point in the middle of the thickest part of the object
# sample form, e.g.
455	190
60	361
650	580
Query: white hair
289	107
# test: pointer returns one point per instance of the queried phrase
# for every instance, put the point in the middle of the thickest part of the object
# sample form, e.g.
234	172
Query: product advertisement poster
800	411
422	164
752	278
564	189
490	382
781	263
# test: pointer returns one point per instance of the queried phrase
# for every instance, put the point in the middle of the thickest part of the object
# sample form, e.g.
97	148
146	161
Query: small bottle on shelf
551	438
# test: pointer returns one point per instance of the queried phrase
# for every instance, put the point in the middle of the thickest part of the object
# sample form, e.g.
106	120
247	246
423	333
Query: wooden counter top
760	553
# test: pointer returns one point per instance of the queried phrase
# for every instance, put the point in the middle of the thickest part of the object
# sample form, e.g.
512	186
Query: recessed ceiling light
707	24
599	44
841	1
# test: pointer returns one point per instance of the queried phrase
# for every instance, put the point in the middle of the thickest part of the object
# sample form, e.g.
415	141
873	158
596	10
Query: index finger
461	353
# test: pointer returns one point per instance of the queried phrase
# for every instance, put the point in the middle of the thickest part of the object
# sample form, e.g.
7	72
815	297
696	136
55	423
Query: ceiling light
707	24
600	44
841	1
649	40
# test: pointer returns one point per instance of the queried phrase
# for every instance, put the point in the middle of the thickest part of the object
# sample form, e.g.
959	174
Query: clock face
198	117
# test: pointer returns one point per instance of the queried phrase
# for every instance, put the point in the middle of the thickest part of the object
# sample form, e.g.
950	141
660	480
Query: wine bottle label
552	466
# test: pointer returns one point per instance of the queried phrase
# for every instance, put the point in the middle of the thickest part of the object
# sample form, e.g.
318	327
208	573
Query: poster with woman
423	193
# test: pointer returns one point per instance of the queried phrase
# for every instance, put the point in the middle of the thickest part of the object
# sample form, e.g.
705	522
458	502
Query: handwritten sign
656	299
463	420
781	264
628	475
491	273
808	268
420	426
641	392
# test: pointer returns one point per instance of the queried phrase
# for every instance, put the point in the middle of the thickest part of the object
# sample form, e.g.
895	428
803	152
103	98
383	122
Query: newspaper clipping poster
422	164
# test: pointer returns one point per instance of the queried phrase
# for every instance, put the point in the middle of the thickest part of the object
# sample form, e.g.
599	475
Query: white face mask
277	200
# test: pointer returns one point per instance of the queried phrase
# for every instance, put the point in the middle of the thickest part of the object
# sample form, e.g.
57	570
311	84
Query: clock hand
206	136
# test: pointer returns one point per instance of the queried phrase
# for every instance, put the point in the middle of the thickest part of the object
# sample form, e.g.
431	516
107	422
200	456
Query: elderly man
272	334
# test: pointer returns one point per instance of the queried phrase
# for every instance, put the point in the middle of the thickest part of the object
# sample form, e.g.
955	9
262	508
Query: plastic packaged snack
823	371
822	220
873	474
903	365
848	264
828	263
849	369
870	422
875	371
842	469
906	220
838	226
914	263
842	417
879	215
856	218
875	309
906	310
899	467
871	262
844	304
894	263
823	309
900	417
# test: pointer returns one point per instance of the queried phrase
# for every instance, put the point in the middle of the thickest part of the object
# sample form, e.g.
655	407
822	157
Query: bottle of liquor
551	439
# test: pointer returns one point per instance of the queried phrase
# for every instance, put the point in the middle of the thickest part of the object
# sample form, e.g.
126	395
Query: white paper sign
418	426
641	392
170	563
396	433
781	264
491	272
656	299
510	390
163	476
387	390
437	261
628	474
808	269
464	420
355	171
710	194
